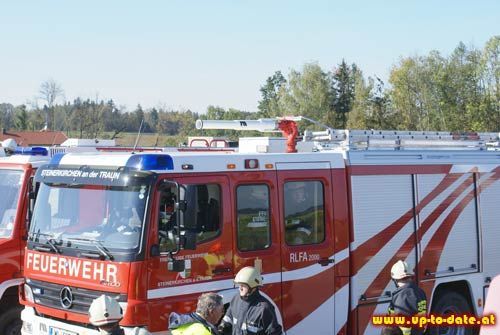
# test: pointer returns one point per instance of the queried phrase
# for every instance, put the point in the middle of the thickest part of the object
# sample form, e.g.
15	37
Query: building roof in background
32	138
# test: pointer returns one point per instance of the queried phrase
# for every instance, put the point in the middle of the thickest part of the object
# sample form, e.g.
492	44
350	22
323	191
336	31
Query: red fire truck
17	168
324	215
16	171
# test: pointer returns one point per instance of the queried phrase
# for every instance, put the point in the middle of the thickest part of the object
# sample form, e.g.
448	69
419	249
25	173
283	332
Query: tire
10	321
451	303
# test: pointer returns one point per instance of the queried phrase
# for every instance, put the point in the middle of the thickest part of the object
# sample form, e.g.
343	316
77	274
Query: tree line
459	92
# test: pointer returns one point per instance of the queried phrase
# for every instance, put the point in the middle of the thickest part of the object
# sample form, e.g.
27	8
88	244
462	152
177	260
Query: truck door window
252	203
203	207
304	212
10	187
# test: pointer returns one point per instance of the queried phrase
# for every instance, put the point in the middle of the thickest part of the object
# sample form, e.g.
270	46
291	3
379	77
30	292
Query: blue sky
191	54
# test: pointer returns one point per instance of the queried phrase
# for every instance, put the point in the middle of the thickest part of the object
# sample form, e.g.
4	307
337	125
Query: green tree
138	117
343	93
6	115
406	92
50	91
380	112
153	119
36	119
269	104
491	82
307	93
358	116
21	118
79	117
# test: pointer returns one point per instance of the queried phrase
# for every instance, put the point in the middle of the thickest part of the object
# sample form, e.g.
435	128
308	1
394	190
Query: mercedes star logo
66	297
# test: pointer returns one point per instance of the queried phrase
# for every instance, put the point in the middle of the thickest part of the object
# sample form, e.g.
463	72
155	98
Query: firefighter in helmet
249	311
105	313
407	300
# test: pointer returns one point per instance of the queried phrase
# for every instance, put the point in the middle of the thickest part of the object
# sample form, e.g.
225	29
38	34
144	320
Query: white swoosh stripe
270	278
314	269
189	289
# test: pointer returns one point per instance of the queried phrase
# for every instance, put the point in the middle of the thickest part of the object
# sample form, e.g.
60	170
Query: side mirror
189	216
32	191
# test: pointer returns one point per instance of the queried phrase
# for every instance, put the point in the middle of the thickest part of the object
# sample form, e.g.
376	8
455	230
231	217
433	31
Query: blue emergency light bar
145	162
151	162
31	151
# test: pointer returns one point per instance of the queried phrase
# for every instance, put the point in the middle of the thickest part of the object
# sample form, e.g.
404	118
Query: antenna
138	135
157	138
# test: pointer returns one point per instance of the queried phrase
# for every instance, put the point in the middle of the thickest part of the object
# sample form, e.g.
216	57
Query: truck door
452	231
256	230
13	223
305	197
209	268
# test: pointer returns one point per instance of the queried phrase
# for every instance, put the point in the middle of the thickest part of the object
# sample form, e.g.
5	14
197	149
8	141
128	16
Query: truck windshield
10	187
83	217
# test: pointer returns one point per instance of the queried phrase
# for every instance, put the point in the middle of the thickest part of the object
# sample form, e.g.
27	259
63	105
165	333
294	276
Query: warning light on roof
31	151
150	162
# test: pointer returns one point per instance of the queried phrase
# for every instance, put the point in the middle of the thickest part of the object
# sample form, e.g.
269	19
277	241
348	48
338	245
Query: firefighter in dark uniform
250	313
407	300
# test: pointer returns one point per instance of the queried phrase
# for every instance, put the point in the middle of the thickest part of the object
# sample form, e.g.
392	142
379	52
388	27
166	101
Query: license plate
59	331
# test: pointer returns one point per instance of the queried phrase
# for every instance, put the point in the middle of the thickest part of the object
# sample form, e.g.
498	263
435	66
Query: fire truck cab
325	224
17	169
16	173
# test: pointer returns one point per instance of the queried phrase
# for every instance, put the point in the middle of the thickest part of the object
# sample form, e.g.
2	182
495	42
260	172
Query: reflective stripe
405	331
251	328
422	307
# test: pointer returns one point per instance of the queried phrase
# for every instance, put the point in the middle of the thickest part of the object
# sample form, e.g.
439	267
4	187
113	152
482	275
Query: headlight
28	293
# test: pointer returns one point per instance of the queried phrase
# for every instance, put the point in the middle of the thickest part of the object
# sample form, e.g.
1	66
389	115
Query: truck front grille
78	299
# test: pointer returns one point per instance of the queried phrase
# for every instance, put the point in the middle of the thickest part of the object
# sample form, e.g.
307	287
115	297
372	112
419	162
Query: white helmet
249	276
104	310
400	270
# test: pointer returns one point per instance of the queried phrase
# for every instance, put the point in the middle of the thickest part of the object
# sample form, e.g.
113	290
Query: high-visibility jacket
190	324
191	329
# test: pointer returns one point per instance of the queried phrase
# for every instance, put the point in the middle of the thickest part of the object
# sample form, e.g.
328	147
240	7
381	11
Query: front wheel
10	321
449	303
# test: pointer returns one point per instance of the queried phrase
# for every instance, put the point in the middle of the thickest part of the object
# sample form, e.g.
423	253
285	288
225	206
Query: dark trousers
391	331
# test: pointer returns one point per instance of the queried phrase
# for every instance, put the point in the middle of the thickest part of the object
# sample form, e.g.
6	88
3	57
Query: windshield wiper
52	244
97	243
34	236
50	241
